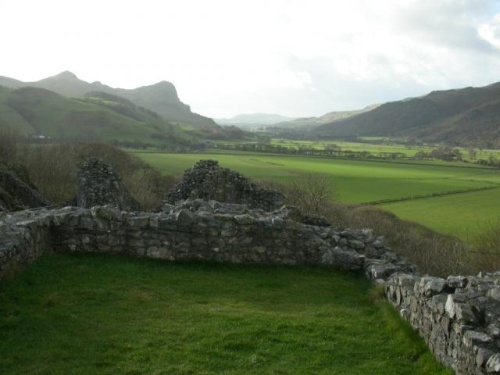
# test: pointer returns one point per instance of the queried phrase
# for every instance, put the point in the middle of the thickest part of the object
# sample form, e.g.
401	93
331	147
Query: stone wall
207	180
99	184
459	317
24	236
202	230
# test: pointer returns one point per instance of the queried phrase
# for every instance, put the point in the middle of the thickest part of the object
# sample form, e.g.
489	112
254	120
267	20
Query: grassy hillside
35	111
467	116
308	123
9	117
161	98
470	127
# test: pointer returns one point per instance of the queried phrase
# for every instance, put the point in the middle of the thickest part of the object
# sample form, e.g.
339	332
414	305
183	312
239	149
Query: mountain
311	122
468	116
253	119
42	113
161	98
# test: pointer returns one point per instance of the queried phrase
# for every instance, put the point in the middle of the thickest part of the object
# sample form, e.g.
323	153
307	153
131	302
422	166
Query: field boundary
433	195
327	157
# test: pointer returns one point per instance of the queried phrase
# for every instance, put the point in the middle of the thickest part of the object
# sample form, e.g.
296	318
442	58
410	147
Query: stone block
493	364
342	259
435	286
184	218
461	311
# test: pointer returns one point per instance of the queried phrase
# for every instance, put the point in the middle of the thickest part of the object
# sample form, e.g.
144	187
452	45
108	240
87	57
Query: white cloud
295	57
490	31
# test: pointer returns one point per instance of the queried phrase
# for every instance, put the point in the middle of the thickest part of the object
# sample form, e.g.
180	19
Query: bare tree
313	193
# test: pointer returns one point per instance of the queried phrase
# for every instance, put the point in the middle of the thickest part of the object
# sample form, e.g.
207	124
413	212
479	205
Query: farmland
365	147
453	198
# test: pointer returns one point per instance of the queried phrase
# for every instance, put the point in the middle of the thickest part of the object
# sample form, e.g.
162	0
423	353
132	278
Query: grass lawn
95	314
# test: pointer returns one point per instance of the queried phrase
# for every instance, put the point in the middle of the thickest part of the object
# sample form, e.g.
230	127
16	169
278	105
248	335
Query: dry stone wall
208	181
200	230
99	184
459	317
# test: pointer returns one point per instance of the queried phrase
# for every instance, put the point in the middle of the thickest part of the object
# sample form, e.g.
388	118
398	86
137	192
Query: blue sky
291	57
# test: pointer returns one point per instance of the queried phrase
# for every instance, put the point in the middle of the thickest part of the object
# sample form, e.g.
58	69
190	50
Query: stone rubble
18	195
99	185
207	180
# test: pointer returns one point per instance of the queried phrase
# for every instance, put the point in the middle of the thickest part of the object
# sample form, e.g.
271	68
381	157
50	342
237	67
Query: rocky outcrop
160	98
17	195
98	184
208	181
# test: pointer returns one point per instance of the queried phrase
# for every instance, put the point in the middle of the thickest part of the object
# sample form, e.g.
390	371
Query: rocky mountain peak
66	75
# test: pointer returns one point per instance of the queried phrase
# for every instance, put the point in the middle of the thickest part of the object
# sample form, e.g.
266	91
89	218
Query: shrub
432	252
486	254
53	169
311	192
148	186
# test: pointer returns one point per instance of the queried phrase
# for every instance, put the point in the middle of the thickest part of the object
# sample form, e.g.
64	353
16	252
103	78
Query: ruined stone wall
204	230
99	184
459	317
24	236
207	180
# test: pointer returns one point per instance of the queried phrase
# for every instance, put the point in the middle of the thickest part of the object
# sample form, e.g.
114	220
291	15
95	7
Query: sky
296	58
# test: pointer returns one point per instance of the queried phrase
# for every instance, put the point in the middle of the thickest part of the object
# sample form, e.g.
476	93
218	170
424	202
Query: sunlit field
469	154
448	197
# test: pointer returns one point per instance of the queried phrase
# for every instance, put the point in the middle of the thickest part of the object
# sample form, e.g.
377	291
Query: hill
42	113
469	116
161	98
253	120
311	122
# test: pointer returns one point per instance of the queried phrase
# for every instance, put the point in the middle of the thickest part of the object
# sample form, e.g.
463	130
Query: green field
463	215
96	314
458	185
380	149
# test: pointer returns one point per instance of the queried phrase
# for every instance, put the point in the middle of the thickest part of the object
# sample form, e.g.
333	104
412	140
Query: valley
450	198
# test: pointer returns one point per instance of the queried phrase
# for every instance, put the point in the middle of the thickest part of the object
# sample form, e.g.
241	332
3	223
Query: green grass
356	182
38	111
462	215
379	149
95	314
374	149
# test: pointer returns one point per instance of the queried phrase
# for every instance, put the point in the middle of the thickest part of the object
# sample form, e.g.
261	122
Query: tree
446	153
472	153
311	192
